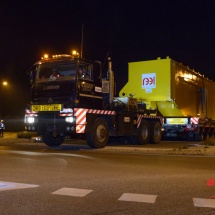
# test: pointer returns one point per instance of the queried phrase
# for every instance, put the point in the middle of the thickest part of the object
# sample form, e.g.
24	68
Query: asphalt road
164	147
74	179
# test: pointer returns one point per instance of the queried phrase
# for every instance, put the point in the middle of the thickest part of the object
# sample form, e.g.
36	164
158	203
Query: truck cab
58	80
60	84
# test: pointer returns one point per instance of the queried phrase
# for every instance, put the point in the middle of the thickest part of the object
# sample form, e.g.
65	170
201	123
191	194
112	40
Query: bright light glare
75	53
30	119
69	119
45	56
5	83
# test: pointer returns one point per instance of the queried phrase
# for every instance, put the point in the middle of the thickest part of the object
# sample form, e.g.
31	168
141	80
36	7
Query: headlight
69	119
30	120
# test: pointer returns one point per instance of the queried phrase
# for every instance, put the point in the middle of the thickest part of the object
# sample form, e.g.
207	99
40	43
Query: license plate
49	107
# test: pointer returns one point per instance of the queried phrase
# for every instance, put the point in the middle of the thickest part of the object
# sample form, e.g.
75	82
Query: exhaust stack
110	75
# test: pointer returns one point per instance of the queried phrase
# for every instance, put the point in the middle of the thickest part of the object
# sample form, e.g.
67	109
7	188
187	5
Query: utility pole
82	39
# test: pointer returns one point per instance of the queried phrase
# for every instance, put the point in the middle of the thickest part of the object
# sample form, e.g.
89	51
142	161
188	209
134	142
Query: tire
143	133
155	132
50	140
99	135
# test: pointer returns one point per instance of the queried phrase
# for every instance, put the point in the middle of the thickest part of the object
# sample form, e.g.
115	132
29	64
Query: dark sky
128	30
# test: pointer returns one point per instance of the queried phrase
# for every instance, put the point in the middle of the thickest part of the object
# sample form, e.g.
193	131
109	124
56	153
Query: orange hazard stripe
80	114
195	120
140	117
80	119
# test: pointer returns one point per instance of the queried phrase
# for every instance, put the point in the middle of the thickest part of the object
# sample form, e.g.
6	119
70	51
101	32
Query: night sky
126	30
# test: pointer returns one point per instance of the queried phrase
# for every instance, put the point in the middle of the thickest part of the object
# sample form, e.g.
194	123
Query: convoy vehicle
66	105
184	98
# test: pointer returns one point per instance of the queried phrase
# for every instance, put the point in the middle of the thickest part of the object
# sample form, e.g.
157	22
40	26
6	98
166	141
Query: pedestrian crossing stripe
76	192
206	203
72	192
13	186
132	197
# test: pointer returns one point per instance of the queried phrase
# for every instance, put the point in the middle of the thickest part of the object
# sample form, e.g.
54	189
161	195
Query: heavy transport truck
185	99
65	104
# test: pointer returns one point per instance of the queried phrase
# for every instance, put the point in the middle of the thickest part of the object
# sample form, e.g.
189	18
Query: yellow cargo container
174	90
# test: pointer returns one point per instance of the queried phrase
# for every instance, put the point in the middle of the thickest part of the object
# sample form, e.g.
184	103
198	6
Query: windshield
55	71
61	71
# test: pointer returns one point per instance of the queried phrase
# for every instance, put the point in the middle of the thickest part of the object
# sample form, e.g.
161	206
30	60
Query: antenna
105	60
82	39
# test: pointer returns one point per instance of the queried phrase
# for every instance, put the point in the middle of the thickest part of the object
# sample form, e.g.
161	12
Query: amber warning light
75	53
45	56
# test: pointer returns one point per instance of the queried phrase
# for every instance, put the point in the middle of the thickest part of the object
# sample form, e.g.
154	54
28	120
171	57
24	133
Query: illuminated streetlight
4	83
3	87
75	53
45	56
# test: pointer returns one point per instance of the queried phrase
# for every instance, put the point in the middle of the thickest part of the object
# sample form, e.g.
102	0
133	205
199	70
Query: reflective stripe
106	112
140	117
80	114
194	120
66	114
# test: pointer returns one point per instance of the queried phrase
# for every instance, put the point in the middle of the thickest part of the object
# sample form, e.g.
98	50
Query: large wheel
155	132
143	133
99	134
51	140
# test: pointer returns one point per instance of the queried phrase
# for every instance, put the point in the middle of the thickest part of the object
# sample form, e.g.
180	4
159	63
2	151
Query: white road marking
12	186
2	184
47	154
206	203
72	192
132	197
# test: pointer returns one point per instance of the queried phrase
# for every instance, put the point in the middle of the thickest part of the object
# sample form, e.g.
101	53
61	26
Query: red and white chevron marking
69	112
80	114
107	112
80	119
194	120
140	117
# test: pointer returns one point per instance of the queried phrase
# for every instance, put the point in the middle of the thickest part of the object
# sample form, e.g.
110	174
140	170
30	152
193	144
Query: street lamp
4	83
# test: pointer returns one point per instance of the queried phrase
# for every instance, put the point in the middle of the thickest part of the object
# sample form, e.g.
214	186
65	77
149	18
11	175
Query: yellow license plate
49	107
174	121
